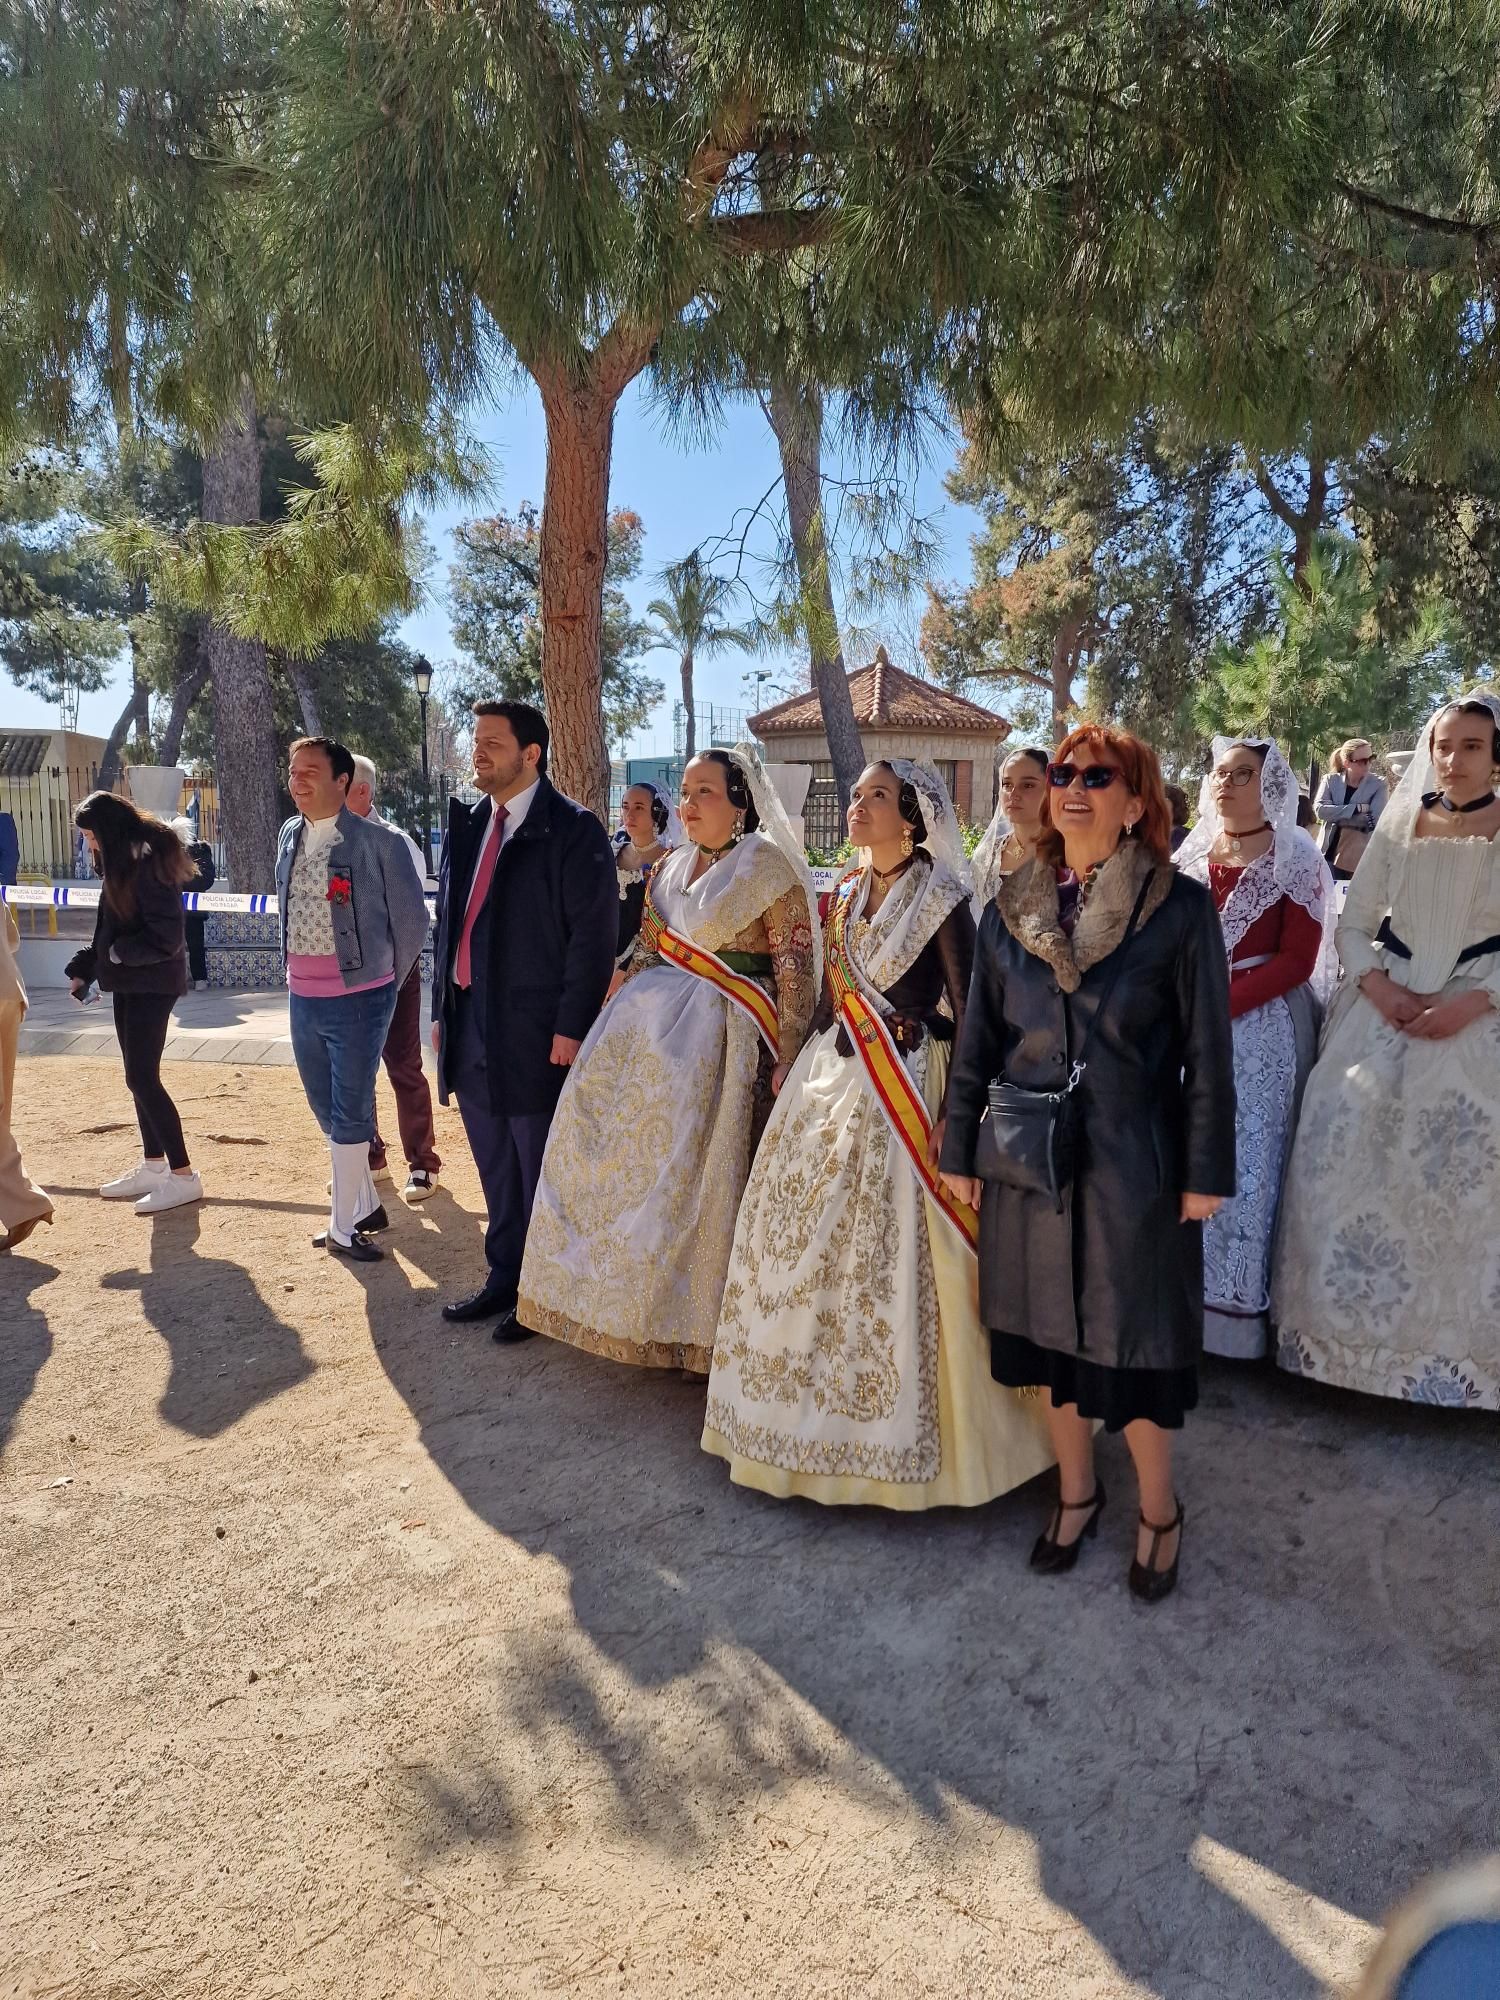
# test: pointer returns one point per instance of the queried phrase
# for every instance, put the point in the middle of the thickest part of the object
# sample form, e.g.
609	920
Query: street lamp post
422	675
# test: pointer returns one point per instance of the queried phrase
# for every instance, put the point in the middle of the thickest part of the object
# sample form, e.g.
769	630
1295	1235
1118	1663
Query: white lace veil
778	829
676	832
984	862
944	839
1297	869
1397	824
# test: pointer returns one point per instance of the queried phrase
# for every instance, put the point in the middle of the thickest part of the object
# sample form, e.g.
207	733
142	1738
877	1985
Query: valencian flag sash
743	992
886	1073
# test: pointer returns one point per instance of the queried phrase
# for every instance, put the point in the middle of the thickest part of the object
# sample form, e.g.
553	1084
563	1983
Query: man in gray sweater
353	923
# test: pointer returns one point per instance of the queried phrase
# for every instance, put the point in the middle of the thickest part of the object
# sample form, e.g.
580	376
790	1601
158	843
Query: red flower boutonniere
340	889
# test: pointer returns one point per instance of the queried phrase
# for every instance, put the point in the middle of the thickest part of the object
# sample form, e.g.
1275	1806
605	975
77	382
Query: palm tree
686	622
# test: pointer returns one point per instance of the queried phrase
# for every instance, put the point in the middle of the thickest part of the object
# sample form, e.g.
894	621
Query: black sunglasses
1096	777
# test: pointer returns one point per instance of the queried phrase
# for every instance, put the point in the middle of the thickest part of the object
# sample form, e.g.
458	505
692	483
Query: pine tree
494	591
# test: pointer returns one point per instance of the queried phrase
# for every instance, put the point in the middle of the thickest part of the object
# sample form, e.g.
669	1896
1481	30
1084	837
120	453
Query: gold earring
907	844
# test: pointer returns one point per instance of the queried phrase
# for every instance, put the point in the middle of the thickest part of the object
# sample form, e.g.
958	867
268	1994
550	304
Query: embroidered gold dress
651	1143
850	1366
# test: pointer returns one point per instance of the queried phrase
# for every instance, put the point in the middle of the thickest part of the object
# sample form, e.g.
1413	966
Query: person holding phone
139	957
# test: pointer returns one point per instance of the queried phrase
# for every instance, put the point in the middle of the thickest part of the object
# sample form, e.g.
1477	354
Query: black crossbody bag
1028	1139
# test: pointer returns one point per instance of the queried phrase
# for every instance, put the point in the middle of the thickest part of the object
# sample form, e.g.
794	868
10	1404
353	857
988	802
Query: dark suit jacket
553	914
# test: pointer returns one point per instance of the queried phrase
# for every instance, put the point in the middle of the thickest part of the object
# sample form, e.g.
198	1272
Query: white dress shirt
516	810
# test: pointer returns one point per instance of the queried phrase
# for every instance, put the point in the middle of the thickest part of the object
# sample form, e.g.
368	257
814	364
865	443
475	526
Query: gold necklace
886	876
712	854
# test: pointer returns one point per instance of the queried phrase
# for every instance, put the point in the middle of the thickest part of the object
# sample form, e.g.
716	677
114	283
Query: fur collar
1027	902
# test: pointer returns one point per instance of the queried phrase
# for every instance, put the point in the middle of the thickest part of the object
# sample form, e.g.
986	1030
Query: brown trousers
20	1201
402	1056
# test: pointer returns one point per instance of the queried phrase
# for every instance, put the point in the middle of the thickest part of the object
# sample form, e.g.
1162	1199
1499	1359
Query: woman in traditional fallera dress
1388	1267
1010	839
652	1141
850	1366
649	830
1275	900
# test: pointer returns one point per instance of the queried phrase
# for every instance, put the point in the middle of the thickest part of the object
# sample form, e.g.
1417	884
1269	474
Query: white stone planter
157	788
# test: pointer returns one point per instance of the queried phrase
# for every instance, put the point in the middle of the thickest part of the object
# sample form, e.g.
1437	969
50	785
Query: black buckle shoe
488	1302
368	1225
358	1250
510	1330
1055	1558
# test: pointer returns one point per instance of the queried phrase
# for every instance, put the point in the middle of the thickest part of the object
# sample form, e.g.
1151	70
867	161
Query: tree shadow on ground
1313	1699
229	1351
26	1340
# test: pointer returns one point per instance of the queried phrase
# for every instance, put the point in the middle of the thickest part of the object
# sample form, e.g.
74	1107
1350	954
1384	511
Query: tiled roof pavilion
885	696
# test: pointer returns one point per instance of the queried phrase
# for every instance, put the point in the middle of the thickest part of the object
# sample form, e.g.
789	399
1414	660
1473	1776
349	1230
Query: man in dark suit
526	921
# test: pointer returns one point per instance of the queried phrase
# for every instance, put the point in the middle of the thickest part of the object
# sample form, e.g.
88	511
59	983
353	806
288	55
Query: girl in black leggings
139	957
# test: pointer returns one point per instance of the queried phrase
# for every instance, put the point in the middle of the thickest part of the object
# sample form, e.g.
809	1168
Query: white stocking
353	1191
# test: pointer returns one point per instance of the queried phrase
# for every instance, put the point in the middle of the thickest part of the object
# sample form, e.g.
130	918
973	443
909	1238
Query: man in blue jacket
526	921
353	923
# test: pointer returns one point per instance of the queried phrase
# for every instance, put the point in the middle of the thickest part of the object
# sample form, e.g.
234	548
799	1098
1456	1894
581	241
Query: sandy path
346	1654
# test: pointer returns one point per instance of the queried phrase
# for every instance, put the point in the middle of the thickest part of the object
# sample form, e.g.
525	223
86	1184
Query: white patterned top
309	917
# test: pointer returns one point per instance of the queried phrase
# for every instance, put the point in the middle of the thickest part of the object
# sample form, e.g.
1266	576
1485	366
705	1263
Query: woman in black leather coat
1097	1297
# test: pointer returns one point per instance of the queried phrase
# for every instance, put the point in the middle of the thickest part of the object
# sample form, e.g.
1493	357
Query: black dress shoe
483	1304
510	1330
368	1225
358	1250
1055	1558
1147	1582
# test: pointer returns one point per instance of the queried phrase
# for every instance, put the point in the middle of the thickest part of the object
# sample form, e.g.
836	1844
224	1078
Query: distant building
44	774
898	716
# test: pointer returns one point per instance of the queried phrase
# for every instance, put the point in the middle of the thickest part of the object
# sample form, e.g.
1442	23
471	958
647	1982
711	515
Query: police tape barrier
85	896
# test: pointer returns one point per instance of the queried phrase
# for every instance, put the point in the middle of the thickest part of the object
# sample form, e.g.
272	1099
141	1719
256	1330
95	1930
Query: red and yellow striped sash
677	950
886	1073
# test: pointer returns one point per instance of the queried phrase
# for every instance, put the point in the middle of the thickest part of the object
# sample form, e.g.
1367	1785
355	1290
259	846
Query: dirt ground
343	1653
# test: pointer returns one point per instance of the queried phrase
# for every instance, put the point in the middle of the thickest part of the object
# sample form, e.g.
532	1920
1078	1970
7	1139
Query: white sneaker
142	1176
419	1185
170	1191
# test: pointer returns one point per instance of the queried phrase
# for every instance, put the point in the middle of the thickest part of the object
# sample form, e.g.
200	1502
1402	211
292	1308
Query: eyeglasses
1096	777
1359	760
1240	777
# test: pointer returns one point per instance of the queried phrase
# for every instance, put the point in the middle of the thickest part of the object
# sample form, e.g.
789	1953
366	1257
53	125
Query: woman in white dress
850	1365
1275	900
1009	841
649	830
648	1152
1388	1268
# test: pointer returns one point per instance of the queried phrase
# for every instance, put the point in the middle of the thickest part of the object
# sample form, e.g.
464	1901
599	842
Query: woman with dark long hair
139	957
1092	1100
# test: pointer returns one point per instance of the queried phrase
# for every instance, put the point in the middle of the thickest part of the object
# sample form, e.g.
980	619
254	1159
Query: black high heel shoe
1147	1582
1053	1557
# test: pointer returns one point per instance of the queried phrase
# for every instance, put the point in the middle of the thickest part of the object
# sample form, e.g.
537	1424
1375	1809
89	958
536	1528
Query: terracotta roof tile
885	696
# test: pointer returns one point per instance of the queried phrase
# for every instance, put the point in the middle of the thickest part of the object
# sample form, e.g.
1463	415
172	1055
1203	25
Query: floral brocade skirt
1387	1272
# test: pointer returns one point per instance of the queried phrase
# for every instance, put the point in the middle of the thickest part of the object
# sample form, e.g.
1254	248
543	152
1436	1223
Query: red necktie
484	874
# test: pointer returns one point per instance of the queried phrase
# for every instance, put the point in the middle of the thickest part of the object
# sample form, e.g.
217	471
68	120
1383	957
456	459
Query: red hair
1142	773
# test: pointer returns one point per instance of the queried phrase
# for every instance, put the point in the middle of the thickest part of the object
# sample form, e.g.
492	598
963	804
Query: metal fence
38	840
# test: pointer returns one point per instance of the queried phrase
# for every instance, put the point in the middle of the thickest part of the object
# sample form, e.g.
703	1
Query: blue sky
684	492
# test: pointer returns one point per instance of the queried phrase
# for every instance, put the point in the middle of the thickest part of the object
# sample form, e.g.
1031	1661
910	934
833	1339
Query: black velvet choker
1442	800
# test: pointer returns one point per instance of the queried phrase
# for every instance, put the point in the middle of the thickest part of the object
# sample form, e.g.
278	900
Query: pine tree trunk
580	439
796	413
192	678
136	717
299	673
245	754
109	764
688	705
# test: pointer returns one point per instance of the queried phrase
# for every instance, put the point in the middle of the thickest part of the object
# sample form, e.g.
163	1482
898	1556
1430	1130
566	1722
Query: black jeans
141	1022
196	950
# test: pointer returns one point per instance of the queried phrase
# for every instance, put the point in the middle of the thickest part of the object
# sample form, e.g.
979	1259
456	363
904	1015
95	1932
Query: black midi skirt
1118	1396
